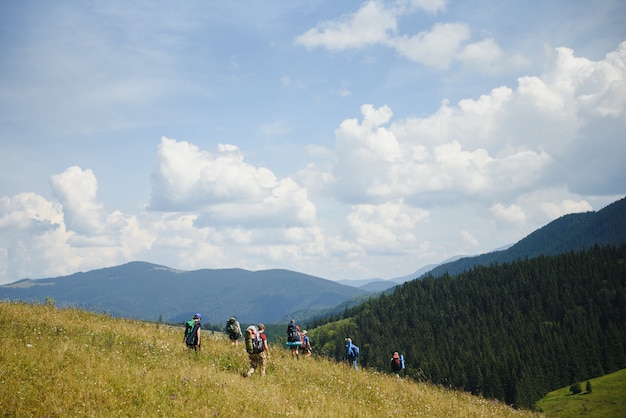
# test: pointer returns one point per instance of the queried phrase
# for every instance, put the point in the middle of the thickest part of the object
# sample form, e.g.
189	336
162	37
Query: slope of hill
606	398
147	291
568	233
508	331
71	363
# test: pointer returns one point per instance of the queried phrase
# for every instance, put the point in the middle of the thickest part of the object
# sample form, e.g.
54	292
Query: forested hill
575	231
511	331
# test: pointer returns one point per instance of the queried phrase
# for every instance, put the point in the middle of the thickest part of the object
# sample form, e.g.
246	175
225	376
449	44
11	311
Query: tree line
511	331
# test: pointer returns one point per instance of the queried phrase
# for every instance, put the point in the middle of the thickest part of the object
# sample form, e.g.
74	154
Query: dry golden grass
68	362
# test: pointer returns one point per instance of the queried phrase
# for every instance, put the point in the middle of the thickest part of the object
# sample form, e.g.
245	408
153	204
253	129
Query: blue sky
346	140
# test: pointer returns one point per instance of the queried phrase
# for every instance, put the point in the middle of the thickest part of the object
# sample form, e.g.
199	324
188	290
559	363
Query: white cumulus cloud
436	48
369	25
76	189
375	23
221	187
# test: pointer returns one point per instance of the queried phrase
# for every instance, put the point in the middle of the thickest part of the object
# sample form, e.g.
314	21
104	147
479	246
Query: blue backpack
355	350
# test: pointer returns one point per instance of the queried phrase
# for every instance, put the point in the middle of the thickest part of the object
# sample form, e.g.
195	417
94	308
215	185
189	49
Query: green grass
607	399
73	363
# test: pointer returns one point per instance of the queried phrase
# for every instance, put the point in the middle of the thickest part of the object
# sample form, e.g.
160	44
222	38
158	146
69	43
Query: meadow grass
73	363
606	399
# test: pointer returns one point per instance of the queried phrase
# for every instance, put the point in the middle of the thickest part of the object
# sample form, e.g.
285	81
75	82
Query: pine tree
575	388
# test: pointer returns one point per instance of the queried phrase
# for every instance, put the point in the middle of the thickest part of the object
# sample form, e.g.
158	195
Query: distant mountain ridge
151	292
381	285
573	232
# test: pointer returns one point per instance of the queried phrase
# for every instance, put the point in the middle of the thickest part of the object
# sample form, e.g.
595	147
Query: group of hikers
258	349
256	341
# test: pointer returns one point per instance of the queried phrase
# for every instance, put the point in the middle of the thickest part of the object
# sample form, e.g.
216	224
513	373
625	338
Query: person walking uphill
258	350
233	329
397	363
306	344
193	338
352	351
294	339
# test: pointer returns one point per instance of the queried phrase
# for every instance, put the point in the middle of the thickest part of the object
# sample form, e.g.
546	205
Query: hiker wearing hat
193	339
306	344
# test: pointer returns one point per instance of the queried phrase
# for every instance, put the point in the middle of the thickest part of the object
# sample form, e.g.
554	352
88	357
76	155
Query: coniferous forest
512	331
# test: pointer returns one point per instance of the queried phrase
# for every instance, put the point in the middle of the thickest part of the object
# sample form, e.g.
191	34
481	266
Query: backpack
293	334
254	342
396	364
231	326
191	337
188	328
304	347
355	350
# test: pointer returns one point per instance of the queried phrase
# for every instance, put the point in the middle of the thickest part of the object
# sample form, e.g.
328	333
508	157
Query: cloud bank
337	140
520	155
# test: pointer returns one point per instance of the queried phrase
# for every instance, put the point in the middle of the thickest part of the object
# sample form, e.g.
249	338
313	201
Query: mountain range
152	292
573	232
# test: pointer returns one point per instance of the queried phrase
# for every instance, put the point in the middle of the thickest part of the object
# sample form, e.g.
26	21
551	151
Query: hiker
397	363
193	338
258	357
233	328
306	344
352	352
294	340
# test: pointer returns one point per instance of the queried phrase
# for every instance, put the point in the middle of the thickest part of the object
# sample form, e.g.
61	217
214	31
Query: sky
345	140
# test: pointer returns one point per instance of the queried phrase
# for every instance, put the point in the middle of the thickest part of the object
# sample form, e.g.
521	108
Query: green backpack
188	328
231	326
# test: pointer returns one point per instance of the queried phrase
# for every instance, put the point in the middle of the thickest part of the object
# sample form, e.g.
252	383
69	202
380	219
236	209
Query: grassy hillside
69	362
606	399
